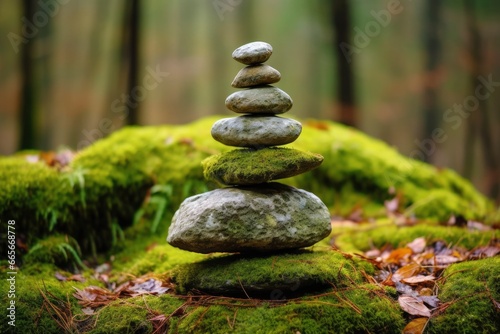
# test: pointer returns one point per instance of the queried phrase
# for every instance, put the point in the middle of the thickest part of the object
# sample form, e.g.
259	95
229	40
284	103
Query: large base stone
261	218
270	276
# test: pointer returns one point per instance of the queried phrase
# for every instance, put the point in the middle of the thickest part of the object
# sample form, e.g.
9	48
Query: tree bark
478	124
132	24
27	113
432	42
341	23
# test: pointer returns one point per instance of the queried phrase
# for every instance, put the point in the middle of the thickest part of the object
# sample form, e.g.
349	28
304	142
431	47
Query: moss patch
60	250
468	293
360	238
247	166
270	274
98	194
33	313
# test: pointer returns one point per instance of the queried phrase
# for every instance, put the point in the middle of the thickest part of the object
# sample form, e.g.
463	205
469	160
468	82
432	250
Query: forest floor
413	248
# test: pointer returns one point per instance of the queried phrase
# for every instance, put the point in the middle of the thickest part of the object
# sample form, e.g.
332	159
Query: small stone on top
253	53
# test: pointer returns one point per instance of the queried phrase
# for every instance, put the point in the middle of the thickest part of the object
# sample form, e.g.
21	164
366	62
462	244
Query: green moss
369	166
152	256
248	166
467	295
60	250
363	237
270	274
351	310
33	313
96	197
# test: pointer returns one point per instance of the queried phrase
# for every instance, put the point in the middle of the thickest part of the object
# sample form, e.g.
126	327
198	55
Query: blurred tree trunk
341	23
27	114
132	30
478	124
432	42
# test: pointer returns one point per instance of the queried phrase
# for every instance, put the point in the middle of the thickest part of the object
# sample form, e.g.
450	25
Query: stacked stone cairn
252	214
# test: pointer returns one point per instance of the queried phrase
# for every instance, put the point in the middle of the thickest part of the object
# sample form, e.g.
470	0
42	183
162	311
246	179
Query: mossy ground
114	201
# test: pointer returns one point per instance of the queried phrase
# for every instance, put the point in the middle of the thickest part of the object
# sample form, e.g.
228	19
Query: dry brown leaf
418	279
484	252
60	277
416	326
407	271
88	311
443	260
417	245
93	296
413	306
432	301
398	255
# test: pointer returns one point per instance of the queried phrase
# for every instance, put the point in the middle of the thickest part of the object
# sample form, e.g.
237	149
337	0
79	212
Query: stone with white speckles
262	218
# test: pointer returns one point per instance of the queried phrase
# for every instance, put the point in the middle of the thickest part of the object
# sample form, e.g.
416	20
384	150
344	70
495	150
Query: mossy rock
249	166
96	197
337	312
270	276
469	295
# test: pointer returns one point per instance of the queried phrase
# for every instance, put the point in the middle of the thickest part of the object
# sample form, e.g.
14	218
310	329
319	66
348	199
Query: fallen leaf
445	259
88	311
484	252
404	289
417	245
413	306
76	278
398	255
93	296
103	268
392	205
60	277
432	301
418	279
151	286
472	225
416	326
407	271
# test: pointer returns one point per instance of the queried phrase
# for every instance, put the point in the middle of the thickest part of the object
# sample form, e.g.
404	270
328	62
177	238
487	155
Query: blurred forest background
422	75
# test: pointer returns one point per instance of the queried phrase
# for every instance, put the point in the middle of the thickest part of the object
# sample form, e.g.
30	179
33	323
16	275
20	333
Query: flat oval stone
255	75
262	218
253	53
247	166
256	131
259	100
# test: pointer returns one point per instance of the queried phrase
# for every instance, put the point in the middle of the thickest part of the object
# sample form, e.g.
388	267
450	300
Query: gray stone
256	75
261	100
256	131
262	218
253	53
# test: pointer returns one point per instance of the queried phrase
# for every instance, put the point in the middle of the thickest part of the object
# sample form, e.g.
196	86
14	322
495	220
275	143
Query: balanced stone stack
252	214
